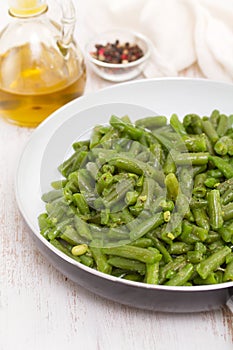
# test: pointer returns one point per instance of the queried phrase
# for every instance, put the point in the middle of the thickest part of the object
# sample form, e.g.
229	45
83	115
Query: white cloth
183	32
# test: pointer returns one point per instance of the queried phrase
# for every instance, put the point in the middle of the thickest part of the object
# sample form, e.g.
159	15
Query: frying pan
50	142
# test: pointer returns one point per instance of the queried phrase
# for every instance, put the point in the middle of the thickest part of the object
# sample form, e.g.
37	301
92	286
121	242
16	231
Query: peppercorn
117	52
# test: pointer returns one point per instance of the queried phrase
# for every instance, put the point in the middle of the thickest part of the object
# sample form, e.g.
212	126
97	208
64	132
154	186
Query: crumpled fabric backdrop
183	32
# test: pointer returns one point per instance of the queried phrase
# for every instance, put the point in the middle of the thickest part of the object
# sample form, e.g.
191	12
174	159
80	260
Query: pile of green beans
150	201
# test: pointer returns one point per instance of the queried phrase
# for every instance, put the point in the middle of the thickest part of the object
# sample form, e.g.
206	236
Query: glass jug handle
68	23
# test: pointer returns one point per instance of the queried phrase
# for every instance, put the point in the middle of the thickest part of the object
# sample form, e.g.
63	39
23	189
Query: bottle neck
27	8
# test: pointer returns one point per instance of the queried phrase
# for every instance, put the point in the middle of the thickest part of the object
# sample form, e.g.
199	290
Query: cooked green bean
210	264
135	253
199	188
152	122
177	125
199	158
201	218
227	211
214	118
223	125
228	273
210	131
223	166
172	186
152	273
182	276
211	182
214	209
127	264
102	263
160	246
146	226
195	143
150	201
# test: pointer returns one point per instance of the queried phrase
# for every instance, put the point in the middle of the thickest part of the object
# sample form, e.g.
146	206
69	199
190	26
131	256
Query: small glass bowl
117	72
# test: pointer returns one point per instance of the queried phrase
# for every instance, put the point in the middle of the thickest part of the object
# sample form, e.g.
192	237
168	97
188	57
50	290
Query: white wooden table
41	309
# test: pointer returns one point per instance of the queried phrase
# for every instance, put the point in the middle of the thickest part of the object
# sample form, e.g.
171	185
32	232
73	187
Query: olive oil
31	88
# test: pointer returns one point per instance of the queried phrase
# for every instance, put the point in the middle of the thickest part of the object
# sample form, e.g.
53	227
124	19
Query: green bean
133	277
95	136
210	279
128	264
142	242
215	173
199	158
227	211
186	181
194	256
221	146
119	124
198	203
177	125
166	205
229	258
182	276
86	260
157	151
135	253
73	163
85	181
152	273
199	169
59	184
219	276
227	197
169	165
192	233
73	182
182	204
195	143
71	236
52	195
101	260
228	273
172	186
146	226
80	202
44	222
79	144
148	192
214	117
193	124
210	131
131	197
160	246
210	264
57	244
223	125
223	166
82	228
213	236
173	265
152	122
211	182
199	188
118	192
226	233
214	209
201	218
226	185
178	248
